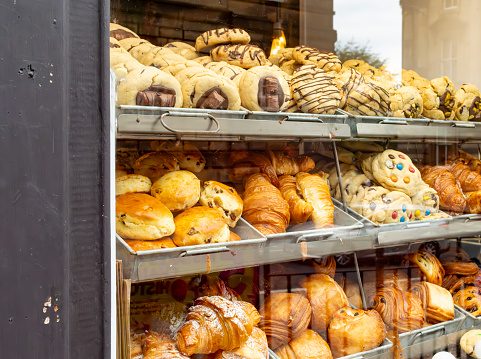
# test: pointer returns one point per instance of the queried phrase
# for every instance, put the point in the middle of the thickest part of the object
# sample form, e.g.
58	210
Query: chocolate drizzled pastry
221	36
326	61
270	95
314	90
156	96
245	56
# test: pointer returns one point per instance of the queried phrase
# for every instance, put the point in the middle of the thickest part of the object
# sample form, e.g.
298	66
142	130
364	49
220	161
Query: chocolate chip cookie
406	102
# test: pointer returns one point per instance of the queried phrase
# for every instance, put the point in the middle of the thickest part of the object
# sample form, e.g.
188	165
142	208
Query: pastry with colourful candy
425	202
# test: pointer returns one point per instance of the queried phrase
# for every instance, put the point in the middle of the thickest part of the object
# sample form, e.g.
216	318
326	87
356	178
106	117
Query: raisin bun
162	243
155	164
355	330
200	225
132	184
142	217
223	198
178	190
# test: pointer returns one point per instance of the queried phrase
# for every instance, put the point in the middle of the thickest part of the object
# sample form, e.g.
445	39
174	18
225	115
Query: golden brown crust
200	225
355	330
429	265
223	198
399	309
458	267
299	209
178	190
210	285
440	178
457	284
470	181
309	345
264	205
325	297
131	184
142	217
215	323
325	265
159	346
151	245
284	165
316	192
155	164
254	348
234	237
437	301
473	202
260	160
284	316
469	299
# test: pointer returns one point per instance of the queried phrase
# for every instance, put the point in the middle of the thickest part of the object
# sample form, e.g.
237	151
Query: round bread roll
131	184
354	330
223	198
151	245
325	297
309	345
177	190
200	225
143	217
155	164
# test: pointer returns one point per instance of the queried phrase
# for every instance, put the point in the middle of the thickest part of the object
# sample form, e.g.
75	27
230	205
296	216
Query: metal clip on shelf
196	252
182	114
442	331
314	237
464	124
393	122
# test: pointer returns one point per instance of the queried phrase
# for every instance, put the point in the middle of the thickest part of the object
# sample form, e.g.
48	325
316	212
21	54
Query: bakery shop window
450	4
449	58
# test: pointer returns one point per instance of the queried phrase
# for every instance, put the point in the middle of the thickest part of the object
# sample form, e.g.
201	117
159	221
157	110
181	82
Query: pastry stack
385	188
283	192
163	184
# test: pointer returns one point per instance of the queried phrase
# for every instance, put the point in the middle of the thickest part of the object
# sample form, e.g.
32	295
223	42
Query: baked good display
299	209
437	301
203	90
429	265
450	194
200	225
406	102
120	32
245	56
188	156
223	198
162	243
215	323
177	190
315	191
132	183
325	297
264	207
284	316
221	36
469	299
263	89
142	217
459	267
469	340
355	330
157	346
259	159
467	103
326	61
469	180
314	90
155	164
309	345
149	87
254	348
399	309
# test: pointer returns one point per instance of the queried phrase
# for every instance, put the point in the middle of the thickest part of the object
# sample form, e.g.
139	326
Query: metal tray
429	333
175	262
470	320
382	351
299	117
144	122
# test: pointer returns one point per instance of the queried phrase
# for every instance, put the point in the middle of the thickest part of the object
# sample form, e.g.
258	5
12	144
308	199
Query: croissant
355	330
136	345
325	265
264	205
309	345
211	285
399	309
449	190
463	282
299	209
316	192
449	281
159	346
284	316
325	297
437	301
429	265
215	323
473	162
285	165
470	181
458	267
469	299
254	348
259	160
473	202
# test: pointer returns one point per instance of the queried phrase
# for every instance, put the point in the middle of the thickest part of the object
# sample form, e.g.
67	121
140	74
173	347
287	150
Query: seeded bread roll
142	217
131	184
223	198
200	225
178	190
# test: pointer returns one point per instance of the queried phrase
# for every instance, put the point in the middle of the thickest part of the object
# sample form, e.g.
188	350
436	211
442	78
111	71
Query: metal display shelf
156	122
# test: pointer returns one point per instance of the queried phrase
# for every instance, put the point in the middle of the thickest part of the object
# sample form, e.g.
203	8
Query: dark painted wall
53	114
